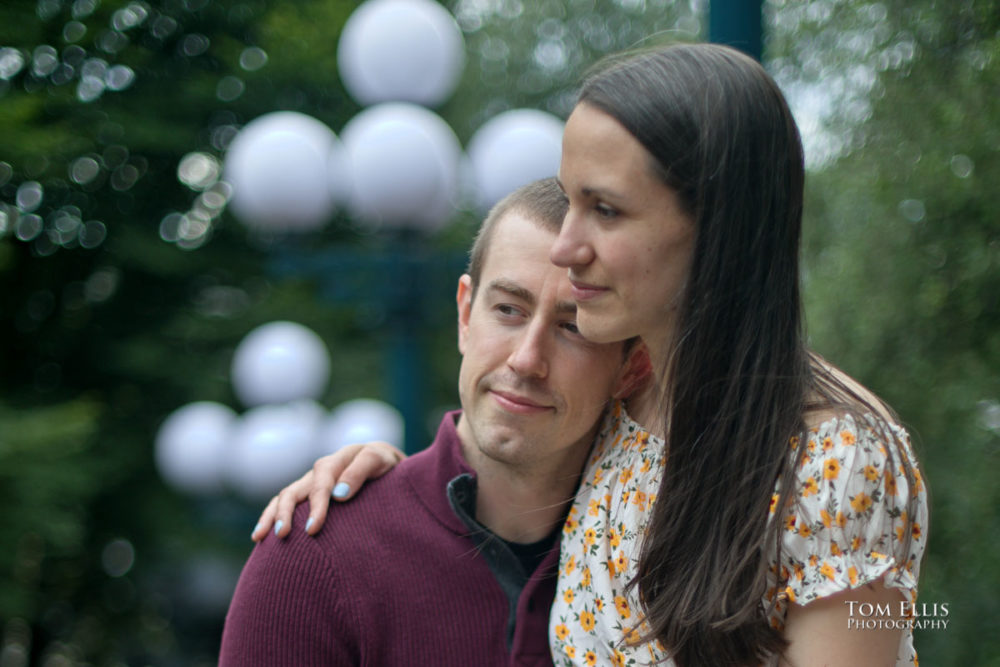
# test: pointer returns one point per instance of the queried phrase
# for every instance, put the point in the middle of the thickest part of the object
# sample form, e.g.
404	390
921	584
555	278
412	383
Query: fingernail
309	523
255	529
341	490
278	526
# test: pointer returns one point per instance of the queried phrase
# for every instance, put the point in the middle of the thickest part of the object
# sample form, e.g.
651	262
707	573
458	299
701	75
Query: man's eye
605	211
571	327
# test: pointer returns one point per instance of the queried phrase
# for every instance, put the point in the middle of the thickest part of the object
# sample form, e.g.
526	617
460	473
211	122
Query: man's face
532	388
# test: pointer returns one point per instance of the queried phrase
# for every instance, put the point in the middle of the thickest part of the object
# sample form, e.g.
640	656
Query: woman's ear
635	372
463	299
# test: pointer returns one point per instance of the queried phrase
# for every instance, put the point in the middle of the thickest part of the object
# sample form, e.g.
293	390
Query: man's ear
463	298
635	372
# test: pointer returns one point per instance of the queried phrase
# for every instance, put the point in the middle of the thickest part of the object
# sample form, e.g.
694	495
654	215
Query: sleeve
852	509
284	612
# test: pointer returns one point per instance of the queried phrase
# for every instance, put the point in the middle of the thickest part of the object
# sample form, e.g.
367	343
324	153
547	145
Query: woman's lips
584	291
517	404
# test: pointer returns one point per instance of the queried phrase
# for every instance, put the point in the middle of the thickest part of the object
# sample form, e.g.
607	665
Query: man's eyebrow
517	291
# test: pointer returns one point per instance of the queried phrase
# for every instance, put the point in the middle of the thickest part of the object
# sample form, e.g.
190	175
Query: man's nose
529	358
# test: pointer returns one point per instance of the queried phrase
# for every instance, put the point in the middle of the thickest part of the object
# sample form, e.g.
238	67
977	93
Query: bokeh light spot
29	196
253	58
118	557
11	62
198	171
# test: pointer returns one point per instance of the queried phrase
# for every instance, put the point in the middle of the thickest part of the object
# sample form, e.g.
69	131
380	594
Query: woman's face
626	241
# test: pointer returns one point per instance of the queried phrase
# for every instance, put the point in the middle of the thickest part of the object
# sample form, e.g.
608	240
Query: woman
766	490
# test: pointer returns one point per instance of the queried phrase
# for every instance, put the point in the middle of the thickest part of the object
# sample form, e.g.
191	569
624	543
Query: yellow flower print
811	446
586	577
562	631
774	503
916	531
568	595
810	487
614	538
618	660
598	476
621	562
633	638
599	604
861	503
855	544
847	438
813	560
570	651
834	549
789	593
790	522
570	526
794	442
589	537
593	507
590	658
646	465
841	519
805	530
625	496
825	516
852	575
586	620
890	484
799	572
919	482
827	443
831	469
871	473
827	571
621	604
640	500
570	565
625	476
611	566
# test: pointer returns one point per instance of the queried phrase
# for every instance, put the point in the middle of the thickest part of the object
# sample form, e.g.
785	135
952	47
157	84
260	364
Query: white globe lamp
358	421
511	150
401	51
272	445
279	167
191	444
280	362
403	164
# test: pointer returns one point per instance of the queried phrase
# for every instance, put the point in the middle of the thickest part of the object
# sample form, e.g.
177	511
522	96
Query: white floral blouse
839	534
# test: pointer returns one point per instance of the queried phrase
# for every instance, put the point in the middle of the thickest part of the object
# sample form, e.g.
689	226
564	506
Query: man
450	559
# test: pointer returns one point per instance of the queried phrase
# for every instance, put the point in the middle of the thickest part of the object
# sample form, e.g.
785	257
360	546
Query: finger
288	498
370	463
265	521
325	472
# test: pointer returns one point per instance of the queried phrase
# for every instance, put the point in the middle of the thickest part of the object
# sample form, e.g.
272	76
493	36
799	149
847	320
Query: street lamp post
737	23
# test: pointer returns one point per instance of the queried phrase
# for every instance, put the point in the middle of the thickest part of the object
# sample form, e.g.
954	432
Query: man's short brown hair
543	202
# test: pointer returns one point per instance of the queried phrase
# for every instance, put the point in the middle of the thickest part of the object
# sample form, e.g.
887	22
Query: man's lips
517	403
583	291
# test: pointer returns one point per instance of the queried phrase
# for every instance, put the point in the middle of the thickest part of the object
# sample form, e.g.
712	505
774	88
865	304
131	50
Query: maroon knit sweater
394	578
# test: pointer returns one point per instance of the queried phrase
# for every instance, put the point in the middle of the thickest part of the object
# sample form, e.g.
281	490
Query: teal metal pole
737	23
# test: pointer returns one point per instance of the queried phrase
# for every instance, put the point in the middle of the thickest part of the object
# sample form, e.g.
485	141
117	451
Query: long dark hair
740	378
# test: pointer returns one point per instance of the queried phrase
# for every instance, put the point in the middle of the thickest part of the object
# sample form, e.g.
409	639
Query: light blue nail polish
309	523
255	529
341	490
278	526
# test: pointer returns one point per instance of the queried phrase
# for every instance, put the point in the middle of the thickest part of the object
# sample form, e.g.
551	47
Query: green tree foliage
903	270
